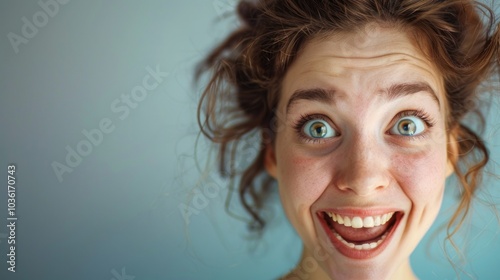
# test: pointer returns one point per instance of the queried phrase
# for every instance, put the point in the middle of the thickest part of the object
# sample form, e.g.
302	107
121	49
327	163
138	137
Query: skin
365	165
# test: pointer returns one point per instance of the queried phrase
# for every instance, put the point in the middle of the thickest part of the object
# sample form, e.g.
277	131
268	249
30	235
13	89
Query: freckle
302	161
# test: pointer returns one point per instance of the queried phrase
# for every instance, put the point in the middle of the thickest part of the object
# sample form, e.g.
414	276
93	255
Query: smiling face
360	155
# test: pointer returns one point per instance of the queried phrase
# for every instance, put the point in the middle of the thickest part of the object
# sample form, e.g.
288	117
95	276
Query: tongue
360	235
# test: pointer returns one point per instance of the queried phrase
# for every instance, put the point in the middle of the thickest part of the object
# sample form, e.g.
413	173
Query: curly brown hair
461	37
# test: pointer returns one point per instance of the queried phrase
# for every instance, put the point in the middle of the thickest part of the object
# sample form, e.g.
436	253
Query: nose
364	168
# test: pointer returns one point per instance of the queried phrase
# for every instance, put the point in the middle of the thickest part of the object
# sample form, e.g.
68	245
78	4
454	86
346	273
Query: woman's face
360	154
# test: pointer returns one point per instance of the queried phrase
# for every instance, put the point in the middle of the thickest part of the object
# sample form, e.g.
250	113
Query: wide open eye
318	128
408	126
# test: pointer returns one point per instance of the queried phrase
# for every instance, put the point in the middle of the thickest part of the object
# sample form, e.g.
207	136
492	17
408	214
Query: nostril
365	188
363	181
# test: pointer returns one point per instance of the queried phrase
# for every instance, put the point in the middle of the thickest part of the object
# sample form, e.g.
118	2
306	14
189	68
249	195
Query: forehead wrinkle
335	69
374	57
329	62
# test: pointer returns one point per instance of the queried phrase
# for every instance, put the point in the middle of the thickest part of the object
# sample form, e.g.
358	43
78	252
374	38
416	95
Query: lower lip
354	253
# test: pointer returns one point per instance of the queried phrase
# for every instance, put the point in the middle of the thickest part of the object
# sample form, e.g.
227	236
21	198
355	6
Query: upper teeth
358	222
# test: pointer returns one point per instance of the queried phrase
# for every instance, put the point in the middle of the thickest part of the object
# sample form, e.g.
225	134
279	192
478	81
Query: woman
360	106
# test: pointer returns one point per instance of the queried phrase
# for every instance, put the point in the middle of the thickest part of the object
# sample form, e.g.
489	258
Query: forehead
371	59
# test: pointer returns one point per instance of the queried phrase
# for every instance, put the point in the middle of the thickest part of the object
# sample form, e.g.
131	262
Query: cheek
422	175
302	180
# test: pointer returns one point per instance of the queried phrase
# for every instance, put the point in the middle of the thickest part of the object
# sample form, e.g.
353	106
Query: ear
453	152
270	160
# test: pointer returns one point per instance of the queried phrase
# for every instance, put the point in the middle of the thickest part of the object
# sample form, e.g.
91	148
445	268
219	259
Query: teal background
117	215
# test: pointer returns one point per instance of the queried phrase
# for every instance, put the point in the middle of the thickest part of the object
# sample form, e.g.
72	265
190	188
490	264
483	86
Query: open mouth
359	236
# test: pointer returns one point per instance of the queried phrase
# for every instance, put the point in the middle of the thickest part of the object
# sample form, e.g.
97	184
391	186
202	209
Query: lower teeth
366	246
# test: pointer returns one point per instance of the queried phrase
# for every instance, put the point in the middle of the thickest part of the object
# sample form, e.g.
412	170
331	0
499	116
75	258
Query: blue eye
319	129
408	126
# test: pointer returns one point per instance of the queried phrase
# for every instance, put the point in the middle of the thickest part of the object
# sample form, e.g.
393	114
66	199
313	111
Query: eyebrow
393	92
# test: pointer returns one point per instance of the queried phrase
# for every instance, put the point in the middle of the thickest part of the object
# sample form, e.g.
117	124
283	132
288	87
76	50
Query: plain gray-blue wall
66	70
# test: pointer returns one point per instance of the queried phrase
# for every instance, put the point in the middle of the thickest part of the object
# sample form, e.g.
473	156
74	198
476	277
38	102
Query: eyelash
429	122
417	113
